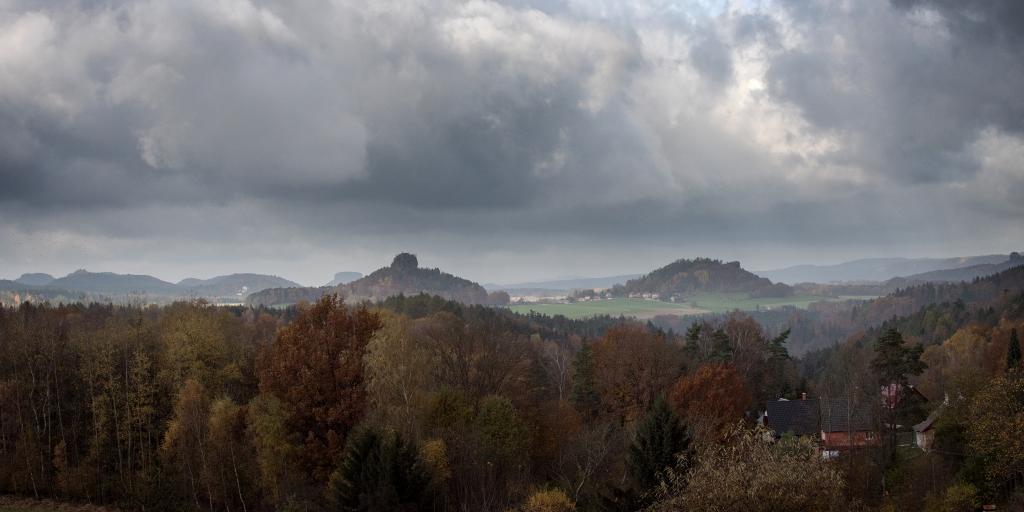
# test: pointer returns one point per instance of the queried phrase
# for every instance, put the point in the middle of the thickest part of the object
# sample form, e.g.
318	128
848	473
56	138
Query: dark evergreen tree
894	361
379	472
1013	354
777	346
584	395
692	345
721	349
662	441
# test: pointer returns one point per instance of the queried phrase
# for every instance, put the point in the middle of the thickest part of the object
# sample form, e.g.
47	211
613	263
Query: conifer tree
379	472
1013	354
584	394
894	361
721	349
662	441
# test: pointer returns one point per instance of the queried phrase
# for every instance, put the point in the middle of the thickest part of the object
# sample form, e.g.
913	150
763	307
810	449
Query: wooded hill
403	277
82	285
926	312
685	276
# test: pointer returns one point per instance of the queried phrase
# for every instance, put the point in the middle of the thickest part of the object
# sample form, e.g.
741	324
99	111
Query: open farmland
646	308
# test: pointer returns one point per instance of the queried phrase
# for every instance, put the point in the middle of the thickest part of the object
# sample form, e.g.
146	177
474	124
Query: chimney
803	396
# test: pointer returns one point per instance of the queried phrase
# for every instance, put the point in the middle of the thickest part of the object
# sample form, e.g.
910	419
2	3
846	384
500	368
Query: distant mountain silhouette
969	273
874	269
109	283
233	285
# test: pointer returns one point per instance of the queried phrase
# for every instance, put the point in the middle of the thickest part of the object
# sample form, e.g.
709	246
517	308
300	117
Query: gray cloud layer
504	140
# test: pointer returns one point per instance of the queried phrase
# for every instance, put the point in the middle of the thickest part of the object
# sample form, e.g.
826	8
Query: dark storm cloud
250	127
909	95
984	21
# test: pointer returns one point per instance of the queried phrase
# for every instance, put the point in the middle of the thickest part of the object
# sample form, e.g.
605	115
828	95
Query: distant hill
874	269
402	277
344	278
969	273
565	284
13	293
233	285
109	283
37	279
683	277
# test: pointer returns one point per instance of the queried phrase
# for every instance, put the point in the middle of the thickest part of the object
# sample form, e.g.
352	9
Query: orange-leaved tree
315	368
711	400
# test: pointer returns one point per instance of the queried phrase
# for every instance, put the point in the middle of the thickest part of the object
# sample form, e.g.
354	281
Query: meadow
697	304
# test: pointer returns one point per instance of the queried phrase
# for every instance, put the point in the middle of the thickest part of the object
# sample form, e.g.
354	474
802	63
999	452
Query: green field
695	305
640	308
725	302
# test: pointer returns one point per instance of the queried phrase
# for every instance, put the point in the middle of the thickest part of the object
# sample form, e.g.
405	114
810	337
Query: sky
505	141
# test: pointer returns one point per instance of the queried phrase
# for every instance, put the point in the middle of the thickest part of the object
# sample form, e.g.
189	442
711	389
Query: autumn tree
553	500
711	400
751	473
315	368
633	366
231	471
400	374
185	444
273	449
997	414
476	357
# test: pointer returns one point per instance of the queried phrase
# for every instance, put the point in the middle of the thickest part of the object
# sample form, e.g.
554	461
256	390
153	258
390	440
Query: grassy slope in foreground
16	504
696	304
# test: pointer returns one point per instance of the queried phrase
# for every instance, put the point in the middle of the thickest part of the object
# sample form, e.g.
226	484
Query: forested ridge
403	276
422	403
686	276
928	311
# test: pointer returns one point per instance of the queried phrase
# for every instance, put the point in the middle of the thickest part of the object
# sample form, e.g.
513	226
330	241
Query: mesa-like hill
682	277
403	277
36	279
344	278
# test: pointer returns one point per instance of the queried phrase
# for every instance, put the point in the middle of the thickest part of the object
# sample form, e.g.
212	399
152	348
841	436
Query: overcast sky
505	141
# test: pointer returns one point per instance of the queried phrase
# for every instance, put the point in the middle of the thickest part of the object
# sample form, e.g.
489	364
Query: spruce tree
584	395
662	441
379	472
721	347
1013	354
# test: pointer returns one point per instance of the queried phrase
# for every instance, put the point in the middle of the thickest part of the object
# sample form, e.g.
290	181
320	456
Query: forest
421	403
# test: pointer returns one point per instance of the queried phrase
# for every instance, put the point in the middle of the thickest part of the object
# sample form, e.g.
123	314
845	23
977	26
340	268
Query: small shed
924	432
